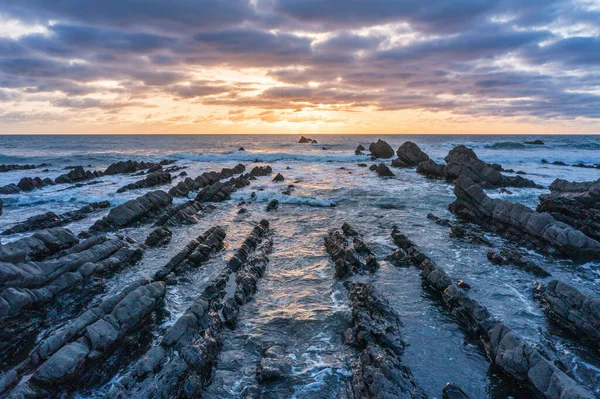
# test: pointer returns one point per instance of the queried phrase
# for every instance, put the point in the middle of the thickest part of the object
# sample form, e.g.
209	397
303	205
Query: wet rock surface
572	310
183	188
51	219
515	357
375	332
159	236
153	179
577	204
77	174
349	252
526	226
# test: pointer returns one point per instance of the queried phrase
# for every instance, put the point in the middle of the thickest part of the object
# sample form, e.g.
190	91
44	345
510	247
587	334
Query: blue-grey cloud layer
536	58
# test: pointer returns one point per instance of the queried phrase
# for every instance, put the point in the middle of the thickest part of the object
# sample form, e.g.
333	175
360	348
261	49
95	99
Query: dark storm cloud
482	57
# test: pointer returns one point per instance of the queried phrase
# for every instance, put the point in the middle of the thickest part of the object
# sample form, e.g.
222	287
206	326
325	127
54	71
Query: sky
300	66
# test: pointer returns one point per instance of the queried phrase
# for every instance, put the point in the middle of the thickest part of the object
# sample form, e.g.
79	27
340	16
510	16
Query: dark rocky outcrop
461	232
306	140
534	229
147	206
359	149
37	247
31	183
462	161
50	219
130	167
221	191
10	189
383	171
381	149
375	331
30	285
1	206
158	237
349	252
78	174
409	155
572	310
274	364
273	205
67	359
515	357
513	257
535	142
577	204
187	213
152	180
181	365
261	171
183	188
194	254
278	178
11	167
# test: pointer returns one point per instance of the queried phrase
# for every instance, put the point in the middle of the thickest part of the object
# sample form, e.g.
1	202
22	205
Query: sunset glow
291	66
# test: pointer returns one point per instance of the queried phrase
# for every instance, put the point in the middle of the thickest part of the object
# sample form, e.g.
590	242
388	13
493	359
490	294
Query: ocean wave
246	156
506	145
269	195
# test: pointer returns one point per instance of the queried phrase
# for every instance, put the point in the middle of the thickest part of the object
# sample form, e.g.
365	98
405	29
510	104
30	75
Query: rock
577	204
572	310
273	205
452	391
132	211
153	179
128	167
8	168
241	149
305	140
463	285
1	205
375	331
77	174
50	219
349	252
383	171
183	214
515	357
535	142
29	184
274	364
159	236
521	223
409	155
279	177
261	171
373	168
359	150
38	246
221	191
381	149
462	161
10	189
506	257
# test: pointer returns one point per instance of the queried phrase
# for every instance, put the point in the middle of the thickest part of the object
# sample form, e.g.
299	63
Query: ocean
299	304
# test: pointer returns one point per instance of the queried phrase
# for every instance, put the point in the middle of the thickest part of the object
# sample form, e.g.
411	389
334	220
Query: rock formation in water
383	171
183	188
11	167
147	206
158	237
38	246
376	332
349	252
572	310
153	179
409	155
515	357
306	140
359	149
381	149
526	226
50	219
130	167
513	257
535	142
462	161
78	174
577	204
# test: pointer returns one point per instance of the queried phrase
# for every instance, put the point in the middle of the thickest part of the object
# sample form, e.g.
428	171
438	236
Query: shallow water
299	304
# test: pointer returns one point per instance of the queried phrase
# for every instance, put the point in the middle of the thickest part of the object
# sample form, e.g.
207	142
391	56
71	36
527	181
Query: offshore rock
76	175
381	149
383	171
39	246
507	256
409	155
128	167
517	221
349	252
